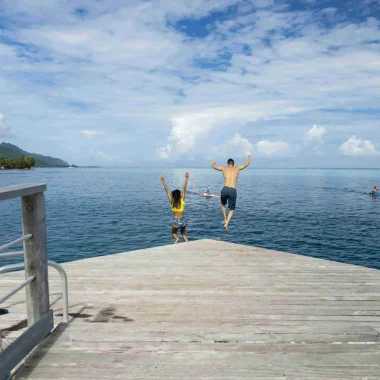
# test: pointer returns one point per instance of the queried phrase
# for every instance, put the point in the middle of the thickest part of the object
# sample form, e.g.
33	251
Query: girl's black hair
176	198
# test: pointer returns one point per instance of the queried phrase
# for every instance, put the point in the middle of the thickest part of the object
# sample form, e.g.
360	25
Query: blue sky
163	83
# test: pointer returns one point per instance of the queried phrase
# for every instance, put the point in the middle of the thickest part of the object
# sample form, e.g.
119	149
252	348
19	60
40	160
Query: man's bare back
230	175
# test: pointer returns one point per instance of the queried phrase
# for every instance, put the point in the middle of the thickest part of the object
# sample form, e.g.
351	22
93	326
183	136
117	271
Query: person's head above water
176	198
230	162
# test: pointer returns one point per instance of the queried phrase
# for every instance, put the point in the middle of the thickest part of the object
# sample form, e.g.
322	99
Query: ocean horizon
320	212
185	168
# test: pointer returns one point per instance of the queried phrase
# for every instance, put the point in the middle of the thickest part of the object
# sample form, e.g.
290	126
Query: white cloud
105	156
264	3
186	128
4	130
89	133
270	148
128	66
357	147
315	134
189	130
164	152
236	145
317	150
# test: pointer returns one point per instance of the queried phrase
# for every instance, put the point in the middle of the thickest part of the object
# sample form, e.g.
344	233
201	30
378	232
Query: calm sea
93	212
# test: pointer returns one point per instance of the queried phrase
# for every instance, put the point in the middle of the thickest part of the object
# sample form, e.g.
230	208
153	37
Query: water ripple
94	212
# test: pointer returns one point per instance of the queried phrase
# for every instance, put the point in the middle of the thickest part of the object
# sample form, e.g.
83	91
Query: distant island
12	157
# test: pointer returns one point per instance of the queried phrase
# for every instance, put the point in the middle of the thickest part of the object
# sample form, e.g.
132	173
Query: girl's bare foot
176	241
226	227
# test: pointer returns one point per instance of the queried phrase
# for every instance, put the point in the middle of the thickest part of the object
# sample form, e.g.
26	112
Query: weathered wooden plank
120	339
208	310
21	347
160	369
197	327
160	347
35	256
211	356
17	191
366	308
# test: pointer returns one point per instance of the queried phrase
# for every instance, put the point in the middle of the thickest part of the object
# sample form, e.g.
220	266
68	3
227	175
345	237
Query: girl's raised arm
166	188
185	185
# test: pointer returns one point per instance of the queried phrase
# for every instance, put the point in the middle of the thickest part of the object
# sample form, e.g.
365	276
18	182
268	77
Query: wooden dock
208	310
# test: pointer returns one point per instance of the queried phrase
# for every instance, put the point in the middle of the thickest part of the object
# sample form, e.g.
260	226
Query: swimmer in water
207	191
374	190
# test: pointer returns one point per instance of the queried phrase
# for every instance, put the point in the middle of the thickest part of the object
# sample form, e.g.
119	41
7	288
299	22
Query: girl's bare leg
175	234
183	232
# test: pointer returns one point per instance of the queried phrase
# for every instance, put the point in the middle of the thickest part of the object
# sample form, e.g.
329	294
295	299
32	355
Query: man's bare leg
224	211
230	214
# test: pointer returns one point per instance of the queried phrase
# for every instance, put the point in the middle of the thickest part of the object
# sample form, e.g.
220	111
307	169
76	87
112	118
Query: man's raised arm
215	166
241	167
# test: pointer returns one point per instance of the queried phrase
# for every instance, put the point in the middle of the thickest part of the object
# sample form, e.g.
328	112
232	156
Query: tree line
23	162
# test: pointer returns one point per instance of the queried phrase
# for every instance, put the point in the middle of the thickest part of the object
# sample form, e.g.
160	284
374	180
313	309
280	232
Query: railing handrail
39	314
17	289
11	268
18	191
11	254
15	242
62	273
65	288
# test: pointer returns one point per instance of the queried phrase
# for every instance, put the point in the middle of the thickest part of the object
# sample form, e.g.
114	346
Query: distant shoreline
187	167
54	167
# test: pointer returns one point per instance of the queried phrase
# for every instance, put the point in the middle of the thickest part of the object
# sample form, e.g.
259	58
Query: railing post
35	252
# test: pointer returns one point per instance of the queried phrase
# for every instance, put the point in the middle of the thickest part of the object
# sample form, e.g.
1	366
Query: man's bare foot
226	227
224	222
176	241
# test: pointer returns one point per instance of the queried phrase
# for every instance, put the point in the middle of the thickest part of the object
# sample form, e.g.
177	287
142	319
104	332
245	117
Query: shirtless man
228	193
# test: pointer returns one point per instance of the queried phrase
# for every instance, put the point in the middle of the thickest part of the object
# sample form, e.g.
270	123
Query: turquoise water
92	212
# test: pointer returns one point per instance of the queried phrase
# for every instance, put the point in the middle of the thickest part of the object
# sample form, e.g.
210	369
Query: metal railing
17	289
21	266
39	315
15	242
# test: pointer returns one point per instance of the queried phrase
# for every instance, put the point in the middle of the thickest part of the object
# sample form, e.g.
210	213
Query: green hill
10	151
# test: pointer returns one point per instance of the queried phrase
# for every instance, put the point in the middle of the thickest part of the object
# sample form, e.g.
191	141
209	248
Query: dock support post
35	253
